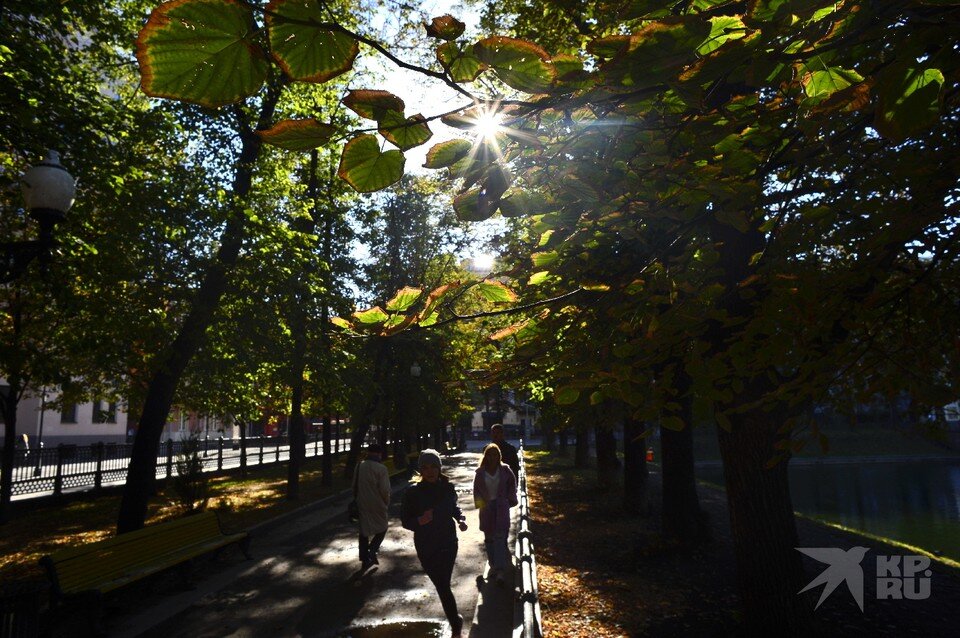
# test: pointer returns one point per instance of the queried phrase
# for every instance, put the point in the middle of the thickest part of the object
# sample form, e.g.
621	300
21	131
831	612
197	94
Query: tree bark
9	403
297	438
141	473
608	466
327	463
769	569
683	521
635	497
581	459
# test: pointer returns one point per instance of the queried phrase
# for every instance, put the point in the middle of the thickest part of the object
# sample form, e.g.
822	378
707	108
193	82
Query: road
306	582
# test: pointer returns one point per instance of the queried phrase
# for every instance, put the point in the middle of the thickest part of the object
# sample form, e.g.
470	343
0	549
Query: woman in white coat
371	487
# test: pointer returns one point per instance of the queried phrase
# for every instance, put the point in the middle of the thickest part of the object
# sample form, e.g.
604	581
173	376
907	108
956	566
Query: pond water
914	502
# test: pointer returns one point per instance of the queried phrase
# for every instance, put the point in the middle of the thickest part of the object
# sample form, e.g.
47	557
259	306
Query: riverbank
630	584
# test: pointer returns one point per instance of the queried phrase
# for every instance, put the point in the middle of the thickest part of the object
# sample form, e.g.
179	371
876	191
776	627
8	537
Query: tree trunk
548	438
769	569
563	450
296	438
581	459
141	473
9	403
608	466
683	520
635	497
327	463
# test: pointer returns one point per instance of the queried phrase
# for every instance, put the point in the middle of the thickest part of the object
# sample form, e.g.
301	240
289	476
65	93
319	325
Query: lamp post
48	191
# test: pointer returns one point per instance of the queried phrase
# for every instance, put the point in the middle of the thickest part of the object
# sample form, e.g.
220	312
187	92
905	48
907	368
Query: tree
718	126
53	319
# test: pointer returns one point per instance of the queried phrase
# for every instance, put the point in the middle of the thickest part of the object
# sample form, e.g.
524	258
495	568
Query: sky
425	96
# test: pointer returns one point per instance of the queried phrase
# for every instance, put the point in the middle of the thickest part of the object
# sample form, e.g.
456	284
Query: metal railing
529	591
78	467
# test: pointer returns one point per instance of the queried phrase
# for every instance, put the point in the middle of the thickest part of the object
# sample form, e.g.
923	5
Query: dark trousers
370	547
438	564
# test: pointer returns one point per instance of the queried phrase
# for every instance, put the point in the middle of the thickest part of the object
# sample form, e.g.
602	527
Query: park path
305	582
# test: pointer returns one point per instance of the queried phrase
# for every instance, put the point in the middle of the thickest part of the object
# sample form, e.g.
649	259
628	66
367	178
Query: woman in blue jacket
431	512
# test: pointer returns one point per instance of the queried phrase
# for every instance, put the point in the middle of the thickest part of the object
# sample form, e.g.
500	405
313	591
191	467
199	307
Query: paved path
305	581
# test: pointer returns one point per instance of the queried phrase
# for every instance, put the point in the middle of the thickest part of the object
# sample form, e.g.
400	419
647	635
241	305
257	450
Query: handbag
353	509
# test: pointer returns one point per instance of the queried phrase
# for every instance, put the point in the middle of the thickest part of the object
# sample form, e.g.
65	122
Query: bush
191	484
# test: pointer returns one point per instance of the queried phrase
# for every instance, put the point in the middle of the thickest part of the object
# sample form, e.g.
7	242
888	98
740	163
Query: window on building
69	413
104	412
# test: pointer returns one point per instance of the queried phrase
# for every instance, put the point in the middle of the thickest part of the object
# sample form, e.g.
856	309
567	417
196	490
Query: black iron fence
80	467
529	591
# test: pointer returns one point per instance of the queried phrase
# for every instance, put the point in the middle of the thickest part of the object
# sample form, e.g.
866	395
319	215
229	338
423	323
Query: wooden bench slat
114	562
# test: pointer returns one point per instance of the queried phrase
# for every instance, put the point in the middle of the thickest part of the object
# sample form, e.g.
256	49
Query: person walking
508	453
371	489
431	512
494	493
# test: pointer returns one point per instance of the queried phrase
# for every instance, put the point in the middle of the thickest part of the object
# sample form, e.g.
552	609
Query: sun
484	262
487	124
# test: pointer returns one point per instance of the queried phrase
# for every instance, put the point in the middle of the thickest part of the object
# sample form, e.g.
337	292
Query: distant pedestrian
508	453
371	488
431	512
494	493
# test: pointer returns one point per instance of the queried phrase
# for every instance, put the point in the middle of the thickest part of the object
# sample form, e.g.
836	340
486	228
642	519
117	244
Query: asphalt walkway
305	581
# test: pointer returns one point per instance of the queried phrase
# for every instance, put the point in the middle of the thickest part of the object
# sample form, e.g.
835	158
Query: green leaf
433	299
723	421
722	29
823	83
538	278
298	135
545	258
429	320
341	322
566	395
609	46
404	298
405	133
476	204
447	153
909	101
371	316
372	104
308	53
520	203
201	51
461	64
674	423
446	27
364	167
496	292
658	52
521	65
567	65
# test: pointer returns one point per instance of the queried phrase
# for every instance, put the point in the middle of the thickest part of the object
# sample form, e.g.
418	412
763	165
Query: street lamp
48	191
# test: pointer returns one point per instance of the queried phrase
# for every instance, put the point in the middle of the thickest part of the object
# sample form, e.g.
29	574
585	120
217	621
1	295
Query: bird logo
844	566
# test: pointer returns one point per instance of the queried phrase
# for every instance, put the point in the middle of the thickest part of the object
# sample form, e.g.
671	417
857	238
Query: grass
240	503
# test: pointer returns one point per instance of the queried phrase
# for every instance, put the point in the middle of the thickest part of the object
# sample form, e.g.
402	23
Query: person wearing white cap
431	512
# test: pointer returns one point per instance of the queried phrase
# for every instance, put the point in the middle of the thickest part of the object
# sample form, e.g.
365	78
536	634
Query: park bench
100	567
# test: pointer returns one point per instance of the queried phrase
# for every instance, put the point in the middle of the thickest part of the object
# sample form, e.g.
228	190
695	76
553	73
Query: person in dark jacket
431	512
508	453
